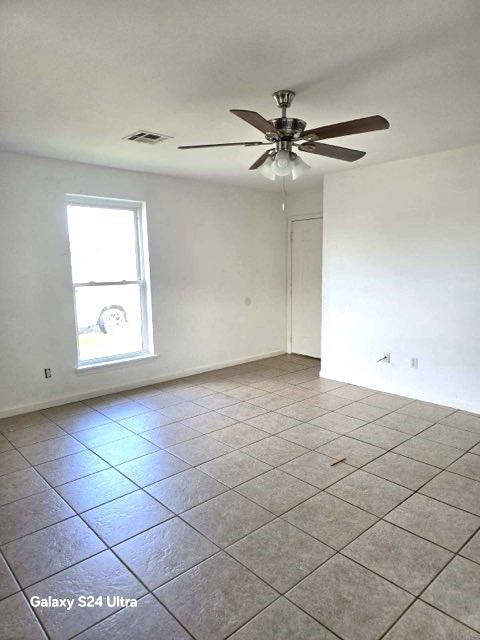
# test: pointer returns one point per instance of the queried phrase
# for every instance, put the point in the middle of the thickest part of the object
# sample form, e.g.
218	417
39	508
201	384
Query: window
110	276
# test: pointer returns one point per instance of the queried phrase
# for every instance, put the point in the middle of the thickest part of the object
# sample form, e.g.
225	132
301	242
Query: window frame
143	277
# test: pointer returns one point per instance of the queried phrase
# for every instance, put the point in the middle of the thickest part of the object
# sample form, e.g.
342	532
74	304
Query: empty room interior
239	320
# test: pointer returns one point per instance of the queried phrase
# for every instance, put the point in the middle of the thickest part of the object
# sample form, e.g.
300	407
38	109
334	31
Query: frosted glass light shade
282	165
266	169
299	168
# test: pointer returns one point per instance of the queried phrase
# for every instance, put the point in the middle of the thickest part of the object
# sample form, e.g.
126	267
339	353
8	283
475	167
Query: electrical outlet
48	373
414	363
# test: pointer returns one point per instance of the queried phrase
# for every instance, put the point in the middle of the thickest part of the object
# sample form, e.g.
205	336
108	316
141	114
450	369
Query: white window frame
143	277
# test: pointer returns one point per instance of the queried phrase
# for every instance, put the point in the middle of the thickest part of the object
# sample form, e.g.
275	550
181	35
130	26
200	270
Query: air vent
147	137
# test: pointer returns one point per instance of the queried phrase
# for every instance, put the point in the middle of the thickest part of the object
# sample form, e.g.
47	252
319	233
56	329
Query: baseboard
447	401
99	391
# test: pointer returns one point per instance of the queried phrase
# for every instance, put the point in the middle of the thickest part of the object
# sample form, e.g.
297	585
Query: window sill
113	364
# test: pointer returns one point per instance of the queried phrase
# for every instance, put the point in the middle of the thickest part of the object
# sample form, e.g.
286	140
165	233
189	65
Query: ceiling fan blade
361	125
260	160
329	150
224	144
255	119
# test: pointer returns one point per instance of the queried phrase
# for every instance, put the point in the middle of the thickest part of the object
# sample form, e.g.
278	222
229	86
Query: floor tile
152	467
216	401
456	591
434	453
302	411
125	517
353	392
317	469
208	422
170	434
329	401
409	473
107	400
87	420
199	450
5	445
32	435
351	601
43	553
379	436
426	410
17	620
435	521
472	549
330	520
452	437
280	554
65	411
463	420
271	401
145	422
362	411
163	552
183	410
220	582
387	401
103	575
308	435
407	424
455	490
227	518
234	468
245	393
94	490
104	434
243	411
185	490
23	420
468	466
376	495
8	584
31	514
282	620
277	491
71	467
192	393
356	452
426	623
125	449
238	435
338	423
123	410
149	620
51	449
20	484
274	450
159	401
273	422
400	556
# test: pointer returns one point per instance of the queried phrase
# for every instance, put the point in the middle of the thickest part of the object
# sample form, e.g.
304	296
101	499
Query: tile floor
215	502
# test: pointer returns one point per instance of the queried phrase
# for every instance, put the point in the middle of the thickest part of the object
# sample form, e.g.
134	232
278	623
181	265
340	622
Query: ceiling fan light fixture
266	169
282	164
299	168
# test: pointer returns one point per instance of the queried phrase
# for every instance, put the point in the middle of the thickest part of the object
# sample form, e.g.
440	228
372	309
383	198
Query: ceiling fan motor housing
288	129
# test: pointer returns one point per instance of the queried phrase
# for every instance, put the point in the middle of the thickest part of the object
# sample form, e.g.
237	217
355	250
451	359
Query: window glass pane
102	244
109	320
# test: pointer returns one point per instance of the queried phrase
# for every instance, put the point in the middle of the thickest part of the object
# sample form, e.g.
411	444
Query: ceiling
78	76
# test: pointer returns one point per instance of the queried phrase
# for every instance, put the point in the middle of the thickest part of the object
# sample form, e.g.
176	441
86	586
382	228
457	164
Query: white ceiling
78	76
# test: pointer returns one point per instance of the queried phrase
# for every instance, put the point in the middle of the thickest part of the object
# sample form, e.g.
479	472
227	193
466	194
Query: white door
306	282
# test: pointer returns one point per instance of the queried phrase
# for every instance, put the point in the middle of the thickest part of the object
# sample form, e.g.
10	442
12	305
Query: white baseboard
99	391
444	400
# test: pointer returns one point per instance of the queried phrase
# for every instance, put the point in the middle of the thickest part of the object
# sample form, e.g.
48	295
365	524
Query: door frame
291	220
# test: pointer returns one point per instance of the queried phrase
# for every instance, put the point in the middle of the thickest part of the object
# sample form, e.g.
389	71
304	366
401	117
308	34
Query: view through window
110	279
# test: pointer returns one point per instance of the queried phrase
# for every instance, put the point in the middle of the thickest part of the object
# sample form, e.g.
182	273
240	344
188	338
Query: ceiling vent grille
147	137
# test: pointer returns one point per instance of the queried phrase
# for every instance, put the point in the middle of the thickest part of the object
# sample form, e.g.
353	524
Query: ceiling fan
289	133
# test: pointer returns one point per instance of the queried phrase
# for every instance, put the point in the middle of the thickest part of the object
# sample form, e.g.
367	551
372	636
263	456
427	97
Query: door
306	286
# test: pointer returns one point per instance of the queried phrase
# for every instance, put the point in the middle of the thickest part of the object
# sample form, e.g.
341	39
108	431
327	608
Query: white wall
305	203
402	275
211	247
